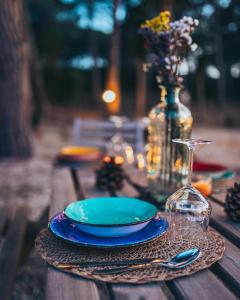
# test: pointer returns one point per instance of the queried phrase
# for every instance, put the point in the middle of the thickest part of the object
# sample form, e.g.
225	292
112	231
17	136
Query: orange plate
81	153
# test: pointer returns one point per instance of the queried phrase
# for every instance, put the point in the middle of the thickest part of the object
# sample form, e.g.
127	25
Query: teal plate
110	216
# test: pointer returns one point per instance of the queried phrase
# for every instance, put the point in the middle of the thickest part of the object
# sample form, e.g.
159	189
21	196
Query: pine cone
232	203
110	176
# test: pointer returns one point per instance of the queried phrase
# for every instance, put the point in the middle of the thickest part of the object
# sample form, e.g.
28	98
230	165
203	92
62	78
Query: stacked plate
108	222
79	154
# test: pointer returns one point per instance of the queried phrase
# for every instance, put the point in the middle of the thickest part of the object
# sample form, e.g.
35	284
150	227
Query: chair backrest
98	133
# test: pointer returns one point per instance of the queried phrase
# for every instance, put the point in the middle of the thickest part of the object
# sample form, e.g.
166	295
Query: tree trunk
39	95
94	51
40	103
113	80
201	94
15	90
140	91
220	59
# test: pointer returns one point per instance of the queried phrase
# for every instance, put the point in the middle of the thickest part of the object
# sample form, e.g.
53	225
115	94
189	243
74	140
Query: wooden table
221	281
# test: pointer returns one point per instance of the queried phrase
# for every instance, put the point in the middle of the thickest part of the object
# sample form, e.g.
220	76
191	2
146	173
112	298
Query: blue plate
110	216
65	229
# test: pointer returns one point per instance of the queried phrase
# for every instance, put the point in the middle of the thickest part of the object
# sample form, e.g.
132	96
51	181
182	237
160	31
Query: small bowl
110	216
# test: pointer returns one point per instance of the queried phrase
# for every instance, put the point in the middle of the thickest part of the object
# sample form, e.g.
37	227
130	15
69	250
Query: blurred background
79	42
59	56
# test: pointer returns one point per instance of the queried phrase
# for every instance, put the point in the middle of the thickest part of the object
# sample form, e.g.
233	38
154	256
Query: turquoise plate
110	216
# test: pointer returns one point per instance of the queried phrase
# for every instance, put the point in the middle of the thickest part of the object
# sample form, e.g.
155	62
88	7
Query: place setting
122	239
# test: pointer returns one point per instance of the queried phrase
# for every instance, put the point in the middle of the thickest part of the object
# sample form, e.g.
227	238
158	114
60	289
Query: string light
140	161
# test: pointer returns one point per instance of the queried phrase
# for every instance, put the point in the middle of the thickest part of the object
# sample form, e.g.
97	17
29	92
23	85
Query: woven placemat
57	252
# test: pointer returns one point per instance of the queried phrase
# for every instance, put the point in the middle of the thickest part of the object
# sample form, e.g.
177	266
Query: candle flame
119	160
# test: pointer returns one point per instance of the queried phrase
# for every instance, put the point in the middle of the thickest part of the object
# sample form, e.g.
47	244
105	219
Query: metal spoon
178	261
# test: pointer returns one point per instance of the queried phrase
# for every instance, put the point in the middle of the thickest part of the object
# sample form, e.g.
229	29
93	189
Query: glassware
118	146
188	208
167	163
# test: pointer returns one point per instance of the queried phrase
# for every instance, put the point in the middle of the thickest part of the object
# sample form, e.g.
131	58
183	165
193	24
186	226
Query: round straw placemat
59	254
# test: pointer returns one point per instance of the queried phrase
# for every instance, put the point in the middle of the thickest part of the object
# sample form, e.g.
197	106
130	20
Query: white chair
98	133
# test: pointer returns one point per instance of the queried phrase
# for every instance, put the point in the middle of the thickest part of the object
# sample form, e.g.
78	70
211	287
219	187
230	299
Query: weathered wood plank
62	191
10	252
61	286
228	268
87	179
156	291
203	285
220	221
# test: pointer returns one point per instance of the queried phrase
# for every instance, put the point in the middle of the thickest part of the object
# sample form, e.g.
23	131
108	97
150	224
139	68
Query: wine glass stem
190	165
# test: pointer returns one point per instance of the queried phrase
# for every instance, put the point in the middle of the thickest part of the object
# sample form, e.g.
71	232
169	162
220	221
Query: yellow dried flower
159	23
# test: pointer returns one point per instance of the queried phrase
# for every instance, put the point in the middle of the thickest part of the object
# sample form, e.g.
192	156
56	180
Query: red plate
199	166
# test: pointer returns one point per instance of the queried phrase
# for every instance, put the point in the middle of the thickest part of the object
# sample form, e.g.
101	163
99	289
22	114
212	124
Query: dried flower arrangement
168	44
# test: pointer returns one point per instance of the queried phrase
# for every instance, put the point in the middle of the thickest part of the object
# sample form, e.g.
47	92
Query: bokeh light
109	96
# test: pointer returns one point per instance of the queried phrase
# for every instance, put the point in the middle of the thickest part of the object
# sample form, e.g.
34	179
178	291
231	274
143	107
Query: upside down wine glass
187	207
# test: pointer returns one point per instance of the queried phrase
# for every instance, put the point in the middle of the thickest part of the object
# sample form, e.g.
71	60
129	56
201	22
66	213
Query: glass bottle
167	162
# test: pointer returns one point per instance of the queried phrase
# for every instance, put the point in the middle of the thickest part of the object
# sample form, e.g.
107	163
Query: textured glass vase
167	162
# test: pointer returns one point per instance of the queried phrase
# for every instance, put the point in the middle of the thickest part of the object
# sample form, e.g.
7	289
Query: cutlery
93	264
119	263
178	261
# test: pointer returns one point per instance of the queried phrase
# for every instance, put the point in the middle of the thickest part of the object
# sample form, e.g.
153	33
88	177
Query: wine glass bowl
188	208
189	203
